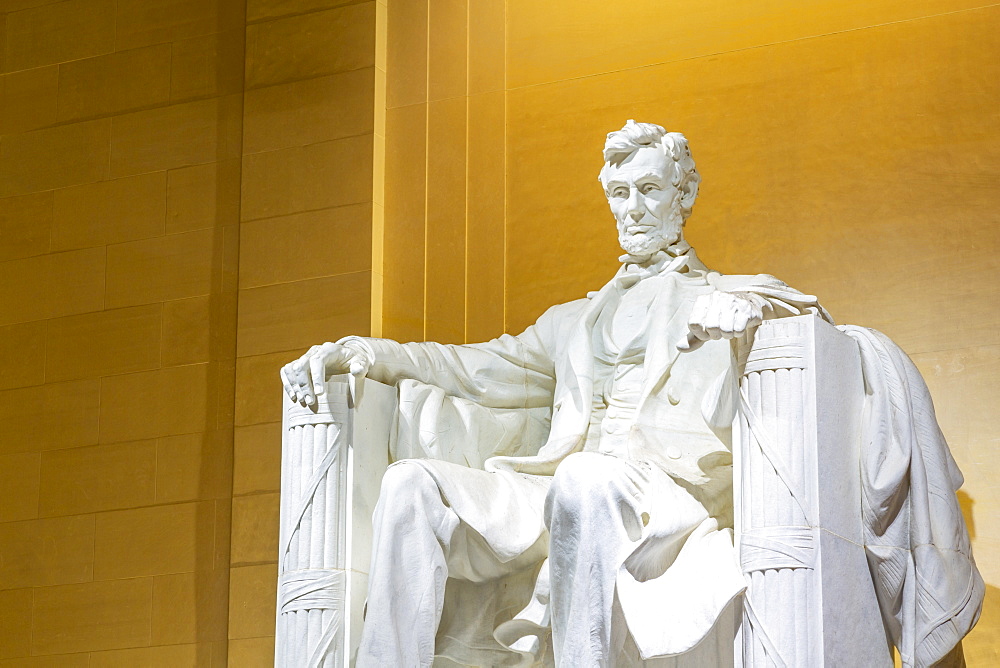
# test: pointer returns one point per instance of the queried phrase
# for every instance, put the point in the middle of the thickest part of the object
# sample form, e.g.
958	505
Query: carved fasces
334	451
797	497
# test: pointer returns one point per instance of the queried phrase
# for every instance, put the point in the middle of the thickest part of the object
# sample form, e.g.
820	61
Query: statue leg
595	514
412	529
431	523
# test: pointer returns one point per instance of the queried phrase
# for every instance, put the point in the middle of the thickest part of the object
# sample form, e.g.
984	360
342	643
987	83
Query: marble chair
810	599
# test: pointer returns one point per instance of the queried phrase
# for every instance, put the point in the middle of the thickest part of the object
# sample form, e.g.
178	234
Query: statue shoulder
551	328
742	282
566	312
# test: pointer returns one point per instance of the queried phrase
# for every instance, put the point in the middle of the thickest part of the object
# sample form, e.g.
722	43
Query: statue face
645	202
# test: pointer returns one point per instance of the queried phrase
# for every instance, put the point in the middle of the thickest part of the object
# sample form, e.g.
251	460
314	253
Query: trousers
599	511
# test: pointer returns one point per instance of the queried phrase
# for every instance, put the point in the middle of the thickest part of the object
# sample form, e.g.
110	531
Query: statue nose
635	209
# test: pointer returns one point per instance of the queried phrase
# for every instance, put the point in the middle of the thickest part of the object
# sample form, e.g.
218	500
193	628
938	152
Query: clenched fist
722	315
306	377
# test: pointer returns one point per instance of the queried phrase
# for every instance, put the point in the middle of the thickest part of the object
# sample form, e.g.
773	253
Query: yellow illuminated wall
194	191
120	133
308	211
444	171
189	193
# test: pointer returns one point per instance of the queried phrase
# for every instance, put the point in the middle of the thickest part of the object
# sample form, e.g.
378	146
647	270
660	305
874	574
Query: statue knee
583	483
407	485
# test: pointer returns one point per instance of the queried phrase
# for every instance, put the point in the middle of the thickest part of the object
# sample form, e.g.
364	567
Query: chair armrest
796	487
333	456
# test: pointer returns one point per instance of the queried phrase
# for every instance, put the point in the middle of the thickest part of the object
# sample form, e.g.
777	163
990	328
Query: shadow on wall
966	502
211	584
982	646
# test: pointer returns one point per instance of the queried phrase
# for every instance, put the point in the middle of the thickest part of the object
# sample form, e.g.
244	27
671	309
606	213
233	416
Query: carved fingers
296	379
305	378
721	315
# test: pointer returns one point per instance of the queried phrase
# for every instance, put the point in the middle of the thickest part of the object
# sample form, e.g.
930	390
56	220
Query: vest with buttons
620	340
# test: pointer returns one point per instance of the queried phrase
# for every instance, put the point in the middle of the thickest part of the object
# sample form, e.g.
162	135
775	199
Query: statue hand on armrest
722	315
305	378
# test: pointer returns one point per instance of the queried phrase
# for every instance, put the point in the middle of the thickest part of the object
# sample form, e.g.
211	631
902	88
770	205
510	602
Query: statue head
651	184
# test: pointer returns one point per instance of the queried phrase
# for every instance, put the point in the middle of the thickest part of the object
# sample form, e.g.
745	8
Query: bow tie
674	258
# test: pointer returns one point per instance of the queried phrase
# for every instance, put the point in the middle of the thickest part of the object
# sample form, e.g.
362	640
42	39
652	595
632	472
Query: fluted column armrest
333	456
797	492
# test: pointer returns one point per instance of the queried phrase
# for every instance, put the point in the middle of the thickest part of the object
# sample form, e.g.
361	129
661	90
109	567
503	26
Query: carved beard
644	244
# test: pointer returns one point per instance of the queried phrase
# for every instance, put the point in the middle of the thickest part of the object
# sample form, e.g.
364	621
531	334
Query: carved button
625	386
672	395
673	452
612	412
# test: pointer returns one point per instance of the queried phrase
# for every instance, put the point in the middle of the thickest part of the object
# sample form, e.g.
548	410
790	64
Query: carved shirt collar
673	258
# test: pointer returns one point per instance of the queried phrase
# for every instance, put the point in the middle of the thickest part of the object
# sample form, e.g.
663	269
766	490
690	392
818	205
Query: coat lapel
574	393
575	365
575	368
668	325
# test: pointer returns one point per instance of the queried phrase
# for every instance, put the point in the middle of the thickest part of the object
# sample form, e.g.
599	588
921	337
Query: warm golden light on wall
191	193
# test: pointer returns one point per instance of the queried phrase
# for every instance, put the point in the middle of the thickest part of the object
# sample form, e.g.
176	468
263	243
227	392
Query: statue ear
689	192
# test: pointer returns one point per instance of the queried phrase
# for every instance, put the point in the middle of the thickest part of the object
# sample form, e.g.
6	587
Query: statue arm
502	373
507	372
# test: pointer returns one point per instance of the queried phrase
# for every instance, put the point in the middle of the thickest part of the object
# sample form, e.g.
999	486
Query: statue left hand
305	378
720	315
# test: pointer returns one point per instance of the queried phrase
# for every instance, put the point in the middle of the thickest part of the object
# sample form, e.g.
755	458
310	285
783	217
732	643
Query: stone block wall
194	191
120	146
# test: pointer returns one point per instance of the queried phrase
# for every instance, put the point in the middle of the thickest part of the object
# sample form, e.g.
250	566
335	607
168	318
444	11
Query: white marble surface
810	599
334	453
565	495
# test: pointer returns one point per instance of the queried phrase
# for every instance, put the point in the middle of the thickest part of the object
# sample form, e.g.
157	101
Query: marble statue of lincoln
620	510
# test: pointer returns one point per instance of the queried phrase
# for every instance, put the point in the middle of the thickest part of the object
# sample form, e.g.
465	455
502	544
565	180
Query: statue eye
621	192
648	188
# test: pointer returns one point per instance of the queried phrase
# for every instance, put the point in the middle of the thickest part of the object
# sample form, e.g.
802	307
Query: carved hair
633	136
